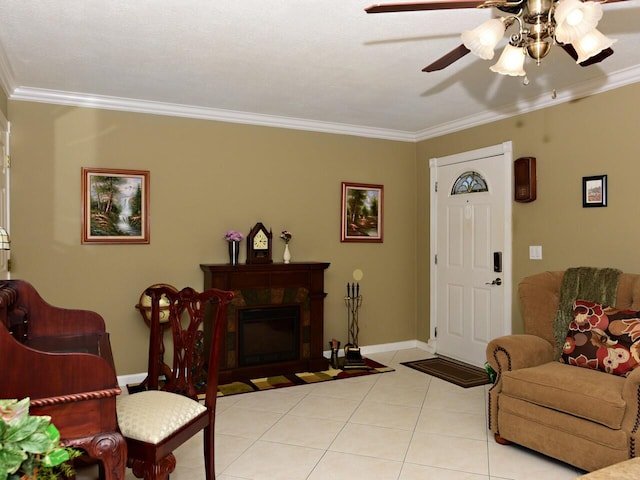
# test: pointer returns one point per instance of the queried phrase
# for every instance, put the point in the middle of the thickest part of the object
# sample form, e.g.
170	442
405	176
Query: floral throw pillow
603	338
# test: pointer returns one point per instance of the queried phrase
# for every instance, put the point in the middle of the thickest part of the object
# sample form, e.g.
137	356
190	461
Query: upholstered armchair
582	416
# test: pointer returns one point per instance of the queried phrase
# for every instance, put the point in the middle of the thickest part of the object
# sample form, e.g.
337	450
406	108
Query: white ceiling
321	65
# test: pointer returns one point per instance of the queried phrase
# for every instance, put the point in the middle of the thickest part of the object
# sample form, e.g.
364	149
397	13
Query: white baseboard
124	380
390	347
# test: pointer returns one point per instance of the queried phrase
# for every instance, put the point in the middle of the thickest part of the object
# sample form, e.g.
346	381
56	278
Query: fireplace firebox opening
268	334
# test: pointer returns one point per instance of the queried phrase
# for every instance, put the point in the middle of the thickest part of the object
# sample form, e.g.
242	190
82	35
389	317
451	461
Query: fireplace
275	323
268	334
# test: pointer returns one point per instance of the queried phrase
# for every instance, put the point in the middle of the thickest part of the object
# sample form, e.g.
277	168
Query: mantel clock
259	244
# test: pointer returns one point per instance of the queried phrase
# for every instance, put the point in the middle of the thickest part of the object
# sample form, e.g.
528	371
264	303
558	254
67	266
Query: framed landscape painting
115	206
361	218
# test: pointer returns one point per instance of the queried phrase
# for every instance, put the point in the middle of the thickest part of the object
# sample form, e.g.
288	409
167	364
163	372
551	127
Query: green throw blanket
583	283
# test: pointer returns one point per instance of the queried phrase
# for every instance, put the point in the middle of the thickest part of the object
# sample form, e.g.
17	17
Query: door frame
5	131
505	150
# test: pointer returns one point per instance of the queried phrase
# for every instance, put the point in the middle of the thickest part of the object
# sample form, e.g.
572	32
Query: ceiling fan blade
607	52
446	60
428	5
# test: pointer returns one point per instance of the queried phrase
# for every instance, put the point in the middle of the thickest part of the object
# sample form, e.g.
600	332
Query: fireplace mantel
267	285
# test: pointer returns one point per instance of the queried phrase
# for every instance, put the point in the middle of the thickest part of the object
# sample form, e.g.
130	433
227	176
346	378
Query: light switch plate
535	252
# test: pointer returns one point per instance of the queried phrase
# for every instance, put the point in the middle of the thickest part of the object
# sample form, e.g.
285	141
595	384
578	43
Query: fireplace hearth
275	323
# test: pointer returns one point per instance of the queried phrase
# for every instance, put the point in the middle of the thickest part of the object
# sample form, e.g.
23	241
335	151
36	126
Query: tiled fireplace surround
267	286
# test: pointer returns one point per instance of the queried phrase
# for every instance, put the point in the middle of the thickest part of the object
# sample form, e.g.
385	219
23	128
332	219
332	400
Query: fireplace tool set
352	356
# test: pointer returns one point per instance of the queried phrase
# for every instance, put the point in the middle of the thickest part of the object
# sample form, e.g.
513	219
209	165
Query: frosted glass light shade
511	62
591	44
574	19
483	39
5	243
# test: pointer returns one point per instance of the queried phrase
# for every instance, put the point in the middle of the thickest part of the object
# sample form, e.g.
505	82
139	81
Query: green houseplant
30	445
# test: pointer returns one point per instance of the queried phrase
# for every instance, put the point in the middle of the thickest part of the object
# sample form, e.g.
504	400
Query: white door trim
504	149
5	131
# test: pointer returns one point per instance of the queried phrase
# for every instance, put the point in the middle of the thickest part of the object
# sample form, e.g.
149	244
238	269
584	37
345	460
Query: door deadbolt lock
497	281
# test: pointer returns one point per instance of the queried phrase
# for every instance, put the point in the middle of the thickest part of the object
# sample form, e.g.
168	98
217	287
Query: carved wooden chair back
156	421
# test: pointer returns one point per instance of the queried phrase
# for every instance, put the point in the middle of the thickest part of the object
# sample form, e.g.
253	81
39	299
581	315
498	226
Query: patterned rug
279	381
452	371
303	378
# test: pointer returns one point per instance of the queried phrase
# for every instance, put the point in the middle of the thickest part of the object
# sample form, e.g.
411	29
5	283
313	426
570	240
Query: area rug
303	378
452	371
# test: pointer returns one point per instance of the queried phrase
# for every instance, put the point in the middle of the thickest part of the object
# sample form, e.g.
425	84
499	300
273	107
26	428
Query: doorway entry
470	268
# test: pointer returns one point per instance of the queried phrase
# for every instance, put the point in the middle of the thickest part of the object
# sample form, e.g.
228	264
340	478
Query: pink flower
286	236
233	236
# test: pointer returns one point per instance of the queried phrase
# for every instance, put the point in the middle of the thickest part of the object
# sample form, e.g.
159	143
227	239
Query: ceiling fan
571	24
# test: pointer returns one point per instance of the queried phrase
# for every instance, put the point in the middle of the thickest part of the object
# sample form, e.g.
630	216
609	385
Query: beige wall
206	177
591	136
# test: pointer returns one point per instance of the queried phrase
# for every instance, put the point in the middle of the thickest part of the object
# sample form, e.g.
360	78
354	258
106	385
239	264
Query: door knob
497	281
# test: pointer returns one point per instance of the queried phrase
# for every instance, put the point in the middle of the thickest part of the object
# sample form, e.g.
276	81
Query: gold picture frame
115	206
361	218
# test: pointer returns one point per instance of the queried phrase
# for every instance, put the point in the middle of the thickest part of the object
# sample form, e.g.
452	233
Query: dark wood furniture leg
500	440
108	448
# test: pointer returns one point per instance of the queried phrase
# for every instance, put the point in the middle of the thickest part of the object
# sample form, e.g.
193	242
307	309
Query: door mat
304	378
452	371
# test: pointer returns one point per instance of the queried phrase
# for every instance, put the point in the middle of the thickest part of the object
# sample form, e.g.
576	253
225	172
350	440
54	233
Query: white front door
471	251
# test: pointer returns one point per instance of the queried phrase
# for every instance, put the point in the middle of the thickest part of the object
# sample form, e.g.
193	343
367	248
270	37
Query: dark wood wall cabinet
275	323
524	176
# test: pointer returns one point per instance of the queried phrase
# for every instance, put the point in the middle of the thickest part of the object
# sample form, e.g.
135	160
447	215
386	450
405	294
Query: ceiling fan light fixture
483	39
591	44
511	62
574	19
538	25
538	50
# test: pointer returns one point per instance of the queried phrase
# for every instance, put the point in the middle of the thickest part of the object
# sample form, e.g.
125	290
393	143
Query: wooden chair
157	421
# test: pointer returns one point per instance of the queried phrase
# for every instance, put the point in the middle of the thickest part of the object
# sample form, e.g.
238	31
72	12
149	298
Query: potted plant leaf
30	445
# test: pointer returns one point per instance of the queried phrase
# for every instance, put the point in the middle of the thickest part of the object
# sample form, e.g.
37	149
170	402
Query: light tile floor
402	425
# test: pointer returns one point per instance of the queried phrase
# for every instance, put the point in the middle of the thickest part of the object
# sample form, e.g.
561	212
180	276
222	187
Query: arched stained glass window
469	182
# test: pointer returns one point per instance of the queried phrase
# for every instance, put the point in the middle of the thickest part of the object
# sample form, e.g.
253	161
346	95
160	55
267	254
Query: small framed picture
115	206
361	217
594	191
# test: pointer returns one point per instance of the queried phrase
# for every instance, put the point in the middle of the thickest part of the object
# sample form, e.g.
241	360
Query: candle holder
353	302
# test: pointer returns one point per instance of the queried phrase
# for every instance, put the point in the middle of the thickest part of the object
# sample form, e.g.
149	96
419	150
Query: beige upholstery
584	417
628	469
153	415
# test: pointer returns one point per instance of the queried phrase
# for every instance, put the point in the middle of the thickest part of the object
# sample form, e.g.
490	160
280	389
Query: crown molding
177	110
7	82
574	92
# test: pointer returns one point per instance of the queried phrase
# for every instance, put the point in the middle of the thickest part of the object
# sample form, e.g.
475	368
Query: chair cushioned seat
153	415
582	392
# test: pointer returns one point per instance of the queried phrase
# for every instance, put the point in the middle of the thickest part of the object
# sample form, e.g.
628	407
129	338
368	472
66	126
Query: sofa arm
513	352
